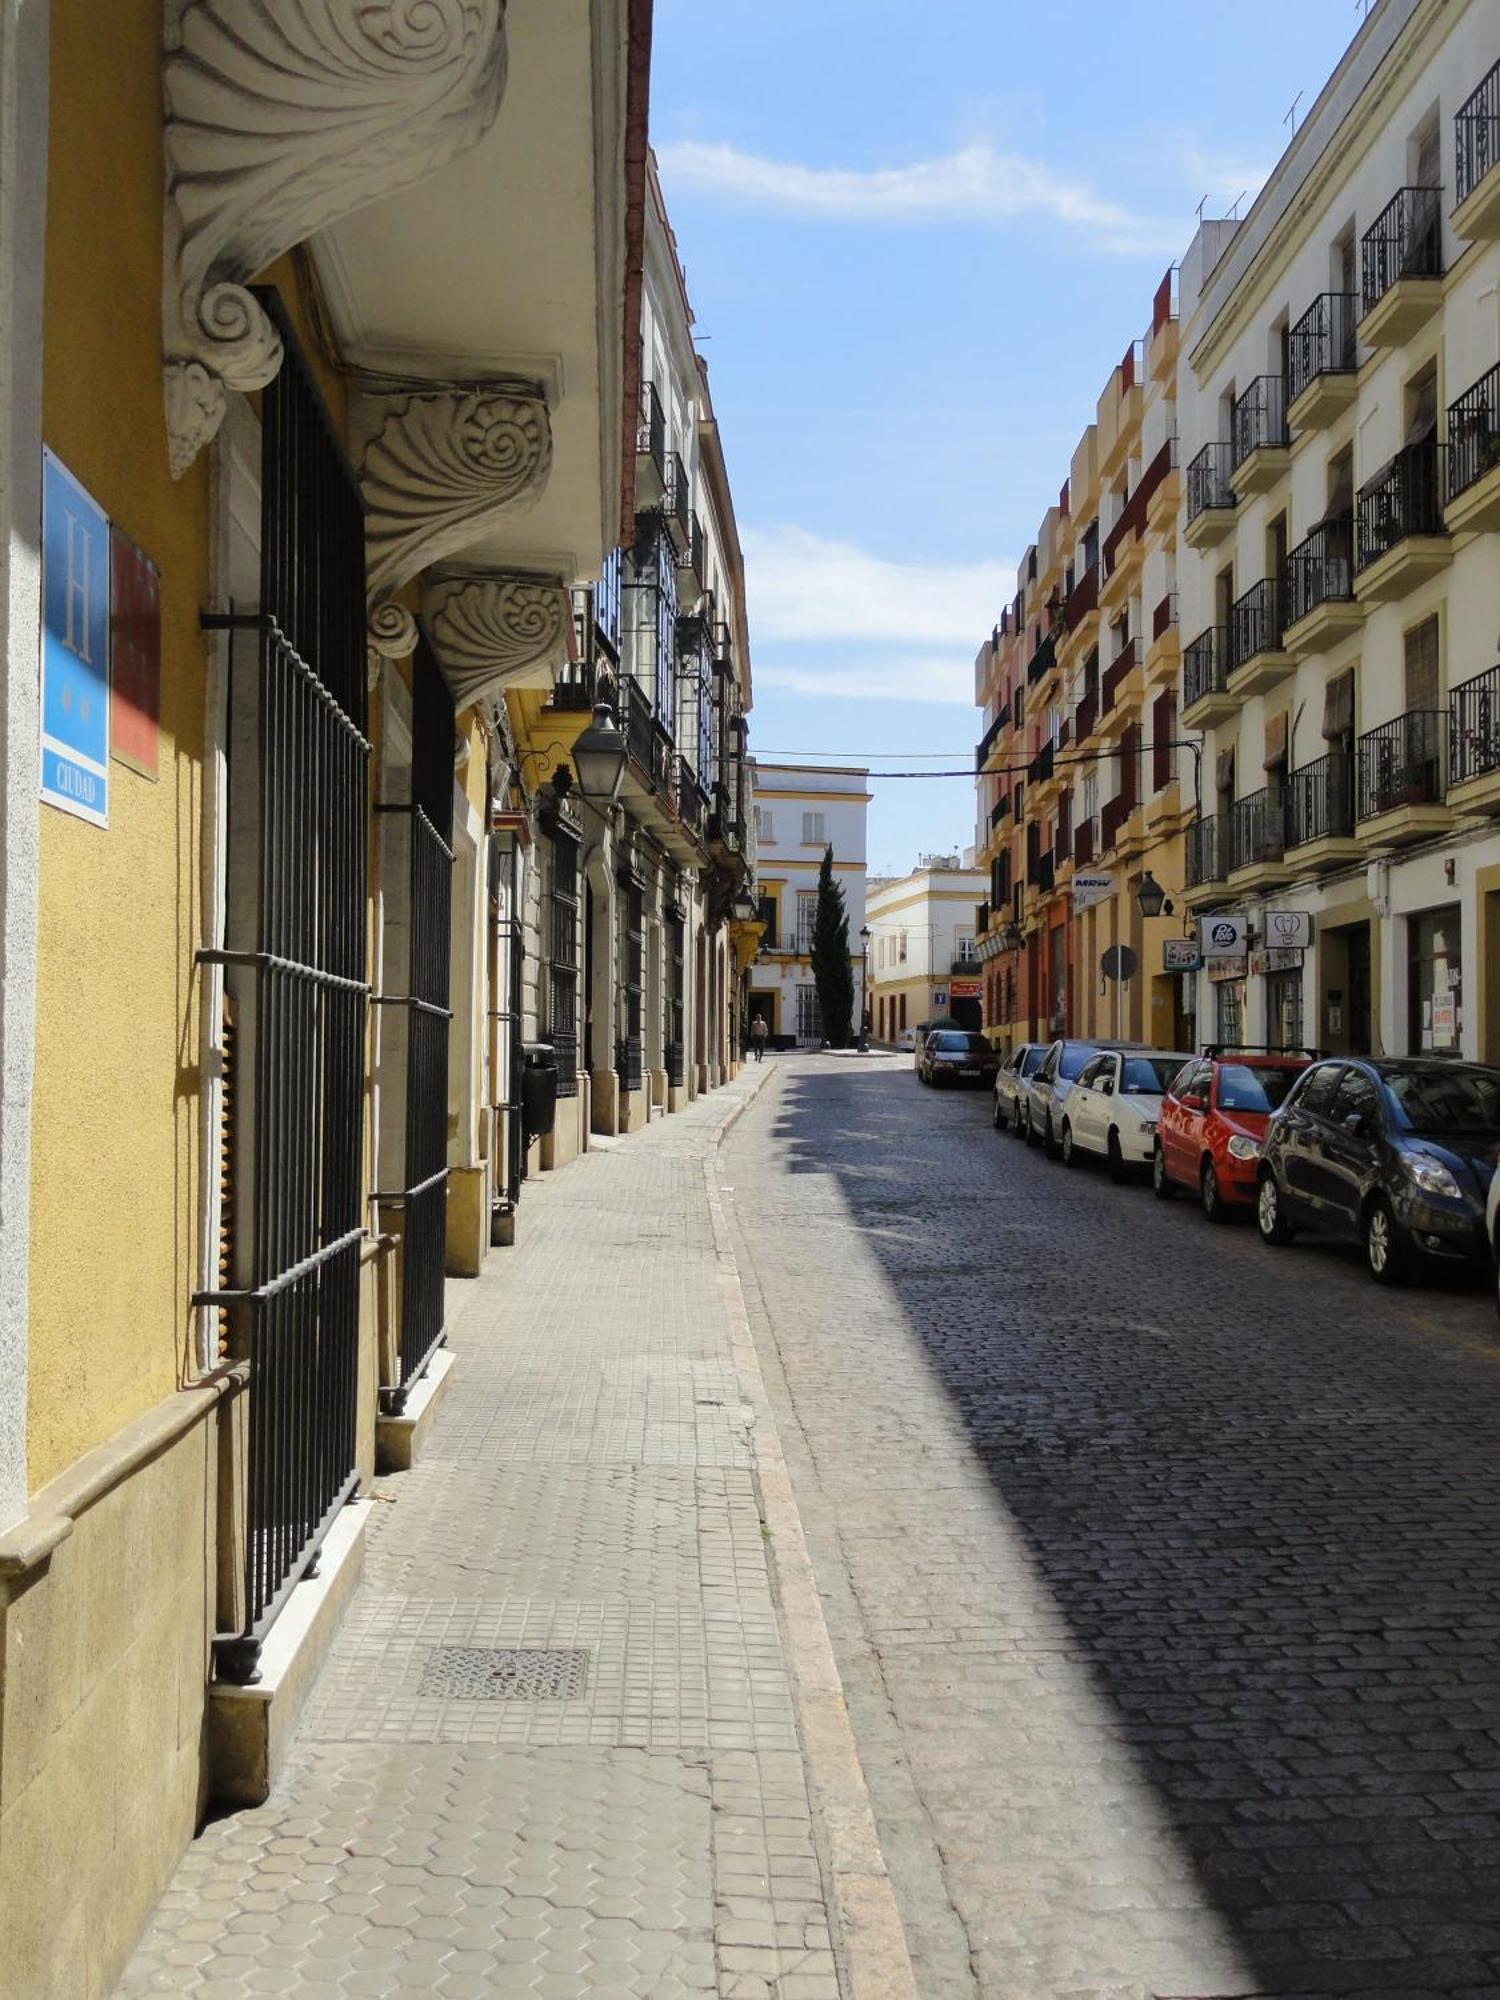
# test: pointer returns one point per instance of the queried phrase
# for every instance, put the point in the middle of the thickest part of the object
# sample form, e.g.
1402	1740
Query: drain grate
506	1673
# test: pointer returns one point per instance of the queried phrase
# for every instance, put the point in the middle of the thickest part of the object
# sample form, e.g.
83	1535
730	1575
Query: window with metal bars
294	952
649	599
563	964
675	985
630	1053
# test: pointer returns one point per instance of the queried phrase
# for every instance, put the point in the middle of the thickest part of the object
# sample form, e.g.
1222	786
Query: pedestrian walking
760	1034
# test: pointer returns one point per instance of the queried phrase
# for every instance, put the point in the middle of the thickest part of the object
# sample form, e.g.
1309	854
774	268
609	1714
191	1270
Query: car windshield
1461	1099
1073	1058
961	1045
1243	1088
1149	1075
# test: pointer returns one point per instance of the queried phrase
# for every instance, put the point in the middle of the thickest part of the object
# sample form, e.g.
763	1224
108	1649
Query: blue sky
917	239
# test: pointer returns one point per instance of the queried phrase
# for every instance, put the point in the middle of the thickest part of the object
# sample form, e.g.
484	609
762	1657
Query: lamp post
599	758
1150	897
863	1043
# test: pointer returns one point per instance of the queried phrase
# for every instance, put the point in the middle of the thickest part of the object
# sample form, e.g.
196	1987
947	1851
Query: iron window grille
629	1054
649	617
676	959
294	954
562	1030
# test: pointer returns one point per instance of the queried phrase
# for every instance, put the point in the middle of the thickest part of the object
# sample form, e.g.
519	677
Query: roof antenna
1201	206
1291	116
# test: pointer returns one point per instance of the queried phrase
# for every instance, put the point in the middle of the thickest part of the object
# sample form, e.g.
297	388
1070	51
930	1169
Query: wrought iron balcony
1256	621
580	684
1257	830
1207	481
991	736
1041	662
1082	598
1205	668
677	504
1474	727
651	431
1086	717
1320	570
1404	241
1259	421
1402	763
1474	433
1476	136
1164	617
1322	341
1320	801
692	806
1039	770
1402	500
1202	857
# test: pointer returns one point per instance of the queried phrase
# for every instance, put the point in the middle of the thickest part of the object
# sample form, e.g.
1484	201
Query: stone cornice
281	117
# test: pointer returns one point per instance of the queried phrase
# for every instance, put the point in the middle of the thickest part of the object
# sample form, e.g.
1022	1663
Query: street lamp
743	908
599	758
863	1043
1010	936
1150	897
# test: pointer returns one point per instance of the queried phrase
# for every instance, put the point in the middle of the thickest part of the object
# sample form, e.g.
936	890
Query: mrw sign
75	647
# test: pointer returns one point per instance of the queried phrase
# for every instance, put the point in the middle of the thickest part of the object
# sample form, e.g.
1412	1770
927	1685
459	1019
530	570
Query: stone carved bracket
496	630
281	117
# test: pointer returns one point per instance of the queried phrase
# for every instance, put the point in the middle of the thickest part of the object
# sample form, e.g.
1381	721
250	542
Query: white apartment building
923	954
798	814
1339	559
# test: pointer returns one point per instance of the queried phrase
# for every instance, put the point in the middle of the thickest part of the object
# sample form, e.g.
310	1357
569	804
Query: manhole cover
506	1673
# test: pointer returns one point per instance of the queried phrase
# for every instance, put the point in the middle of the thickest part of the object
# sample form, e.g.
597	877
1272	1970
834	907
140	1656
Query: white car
1492	1225
906	1041
1114	1105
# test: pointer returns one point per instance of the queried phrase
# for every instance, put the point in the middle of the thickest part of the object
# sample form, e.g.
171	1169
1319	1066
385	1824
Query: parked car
1492	1226
906	1041
1011	1080
1114	1105
955	1055
1398	1154
1047	1091
1213	1122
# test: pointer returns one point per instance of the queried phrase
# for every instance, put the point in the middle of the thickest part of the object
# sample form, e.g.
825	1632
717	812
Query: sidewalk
620	1807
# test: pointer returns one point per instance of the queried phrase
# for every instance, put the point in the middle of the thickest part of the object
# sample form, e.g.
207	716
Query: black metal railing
1085	839
987	742
579	684
1205	665
1402	762
1206	482
629	1053
692	807
1320	570
1474	433
1320	801
1259	418
1404	241
1474	727
1476	136
1041	662
693	552
1039	770
1202	844
636	725
1041	872
294	958
1085	717
1322	341
998	811
1256	621
1116	674
1257	829
674	1049
1404	500
651	431
677	505
562	1027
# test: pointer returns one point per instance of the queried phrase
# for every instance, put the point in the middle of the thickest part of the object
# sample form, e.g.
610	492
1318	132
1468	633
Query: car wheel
1161	1182
1049	1144
1214	1205
997	1116
1069	1151
1386	1253
1114	1158
1270	1218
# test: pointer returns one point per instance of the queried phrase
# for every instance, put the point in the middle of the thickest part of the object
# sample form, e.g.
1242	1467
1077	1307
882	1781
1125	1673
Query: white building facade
1339	563
923	955
798	814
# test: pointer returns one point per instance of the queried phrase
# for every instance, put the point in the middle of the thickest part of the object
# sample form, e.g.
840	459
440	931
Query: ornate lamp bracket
282	117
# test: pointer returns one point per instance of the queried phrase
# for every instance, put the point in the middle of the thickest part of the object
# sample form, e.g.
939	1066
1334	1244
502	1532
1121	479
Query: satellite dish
1119	962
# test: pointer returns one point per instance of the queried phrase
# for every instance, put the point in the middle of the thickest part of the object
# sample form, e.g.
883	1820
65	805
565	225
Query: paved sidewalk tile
553	1751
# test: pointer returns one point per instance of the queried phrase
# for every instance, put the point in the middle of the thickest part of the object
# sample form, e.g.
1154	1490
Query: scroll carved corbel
282	116
495	630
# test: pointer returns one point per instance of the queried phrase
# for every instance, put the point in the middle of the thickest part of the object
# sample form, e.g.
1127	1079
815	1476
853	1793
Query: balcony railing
1320	801
1205	668
1082	598
1321	569
1040	663
1402	762
580	684
1404	241
1207	481
692	806
1256	621
1113	817
998	811
1039	770
959	965
1474	433
651	431
678	504
1084	836
1476	136
1405	499
1322	341
1259	420
1257	829
1474	727
1164	617
1119	668
987	742
1202	843
1085	717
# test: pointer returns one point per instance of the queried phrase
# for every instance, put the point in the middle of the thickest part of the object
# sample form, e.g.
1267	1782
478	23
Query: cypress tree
832	972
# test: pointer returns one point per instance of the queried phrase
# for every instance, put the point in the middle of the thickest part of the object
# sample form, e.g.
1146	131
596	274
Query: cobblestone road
1163	1570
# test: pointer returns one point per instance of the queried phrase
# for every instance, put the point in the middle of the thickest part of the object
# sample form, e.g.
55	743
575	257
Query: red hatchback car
1213	1120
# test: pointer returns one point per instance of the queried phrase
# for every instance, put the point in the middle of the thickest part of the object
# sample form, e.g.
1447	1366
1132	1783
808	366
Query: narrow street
1161	1568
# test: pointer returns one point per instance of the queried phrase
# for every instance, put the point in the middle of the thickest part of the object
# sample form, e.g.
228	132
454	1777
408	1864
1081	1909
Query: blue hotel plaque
75	647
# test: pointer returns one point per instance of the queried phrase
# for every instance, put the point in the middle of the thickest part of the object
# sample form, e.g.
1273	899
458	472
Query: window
1316	1094
903	1011
1356	1096
809	1025
964	948
1231	1006
563	964
812	830
1434	993
807	915
1421	665
901	947
1243	1088
763	824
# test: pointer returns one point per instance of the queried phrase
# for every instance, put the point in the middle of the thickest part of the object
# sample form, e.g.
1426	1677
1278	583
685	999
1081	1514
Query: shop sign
1277	958
1234	967
1223	937
134	655
1180	955
939	998
75	647
1091	888
1444	1019
964	989
1289	930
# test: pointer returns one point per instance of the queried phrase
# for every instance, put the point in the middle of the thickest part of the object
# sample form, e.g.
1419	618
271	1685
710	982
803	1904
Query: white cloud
804	586
896	678
975	184
1222	178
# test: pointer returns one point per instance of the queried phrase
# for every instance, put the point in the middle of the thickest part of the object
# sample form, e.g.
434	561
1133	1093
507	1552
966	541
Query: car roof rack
1211	1050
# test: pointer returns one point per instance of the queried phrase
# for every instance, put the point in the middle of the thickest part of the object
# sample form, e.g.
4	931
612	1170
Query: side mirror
1357	1124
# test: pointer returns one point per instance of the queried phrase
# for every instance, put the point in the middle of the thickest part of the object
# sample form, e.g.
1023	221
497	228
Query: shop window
1435	1019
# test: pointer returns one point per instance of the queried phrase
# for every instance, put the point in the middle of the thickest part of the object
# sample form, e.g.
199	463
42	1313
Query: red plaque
135	655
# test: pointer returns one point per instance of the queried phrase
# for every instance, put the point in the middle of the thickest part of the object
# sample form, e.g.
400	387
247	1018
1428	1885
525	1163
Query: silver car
1011	1079
1049	1089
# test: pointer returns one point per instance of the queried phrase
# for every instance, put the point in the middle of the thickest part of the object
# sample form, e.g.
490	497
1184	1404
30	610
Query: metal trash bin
538	1090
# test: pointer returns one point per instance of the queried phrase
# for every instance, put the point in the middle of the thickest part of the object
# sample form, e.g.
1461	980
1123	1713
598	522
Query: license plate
969	1072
